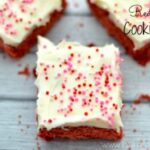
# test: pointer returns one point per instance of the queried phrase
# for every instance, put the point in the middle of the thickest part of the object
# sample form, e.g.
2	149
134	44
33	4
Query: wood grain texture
18	128
84	29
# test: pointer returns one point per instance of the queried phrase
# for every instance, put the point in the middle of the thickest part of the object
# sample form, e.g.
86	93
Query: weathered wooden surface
18	130
18	93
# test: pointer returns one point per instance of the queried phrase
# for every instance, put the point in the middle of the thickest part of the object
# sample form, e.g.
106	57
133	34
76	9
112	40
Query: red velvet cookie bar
79	91
78	133
20	49
141	53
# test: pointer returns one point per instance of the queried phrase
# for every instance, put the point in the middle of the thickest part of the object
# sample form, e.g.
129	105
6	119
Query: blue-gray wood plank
18	130
18	93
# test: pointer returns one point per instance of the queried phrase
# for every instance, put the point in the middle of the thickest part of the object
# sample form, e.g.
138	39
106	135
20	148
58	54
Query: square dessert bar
79	91
128	22
21	21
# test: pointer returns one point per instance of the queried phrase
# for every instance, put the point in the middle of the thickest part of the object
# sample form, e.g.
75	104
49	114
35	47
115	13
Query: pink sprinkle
80	74
40	19
28	1
70	58
116	4
79	55
47	66
113	114
44	121
83	92
101	103
148	4
84	77
110	98
102	55
9	25
107	102
91	109
78	61
26	28
65	71
70	65
105	94
1	13
110	119
96	100
44	46
60	110
76	100
71	98
58	75
97	118
109	88
61	93
13	32
97	83
68	90
61	101
124	10
97	90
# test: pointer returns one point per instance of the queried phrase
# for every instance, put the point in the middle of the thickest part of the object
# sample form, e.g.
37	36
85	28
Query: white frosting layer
18	18
122	12
78	86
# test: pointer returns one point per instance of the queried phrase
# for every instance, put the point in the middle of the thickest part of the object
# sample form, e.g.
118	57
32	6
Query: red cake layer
76	133
142	55
24	47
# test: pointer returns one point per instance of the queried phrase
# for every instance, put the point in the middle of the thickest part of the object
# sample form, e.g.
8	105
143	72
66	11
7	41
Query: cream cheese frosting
130	15
78	85
18	18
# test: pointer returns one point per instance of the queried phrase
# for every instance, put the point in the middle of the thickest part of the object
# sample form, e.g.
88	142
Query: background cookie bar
128	22
22	21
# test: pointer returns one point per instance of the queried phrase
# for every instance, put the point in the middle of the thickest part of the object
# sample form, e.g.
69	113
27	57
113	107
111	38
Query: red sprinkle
69	47
46	78
47	92
90	94
115	106
72	55
50	121
63	86
86	113
79	85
